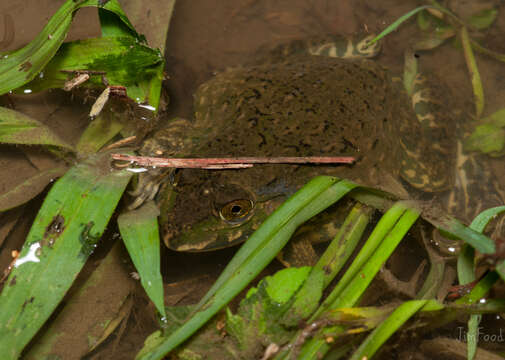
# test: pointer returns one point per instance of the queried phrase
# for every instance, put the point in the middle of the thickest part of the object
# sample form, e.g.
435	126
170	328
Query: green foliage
16	128
139	229
65	232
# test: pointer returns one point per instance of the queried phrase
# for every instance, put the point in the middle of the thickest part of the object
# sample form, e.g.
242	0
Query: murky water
209	36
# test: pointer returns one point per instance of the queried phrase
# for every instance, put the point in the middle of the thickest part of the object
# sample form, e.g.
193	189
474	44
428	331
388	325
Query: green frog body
298	105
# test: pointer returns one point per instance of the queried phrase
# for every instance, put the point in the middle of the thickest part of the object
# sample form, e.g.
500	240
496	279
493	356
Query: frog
308	99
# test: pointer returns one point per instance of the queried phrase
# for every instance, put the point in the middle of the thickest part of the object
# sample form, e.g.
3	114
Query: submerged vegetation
297	313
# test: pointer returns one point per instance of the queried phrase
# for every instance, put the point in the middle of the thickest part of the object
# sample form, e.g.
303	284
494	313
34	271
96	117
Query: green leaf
100	304
489	136
473	335
139	229
480	222
344	243
20	66
63	235
422	22
112	25
478	90
384	228
16	128
497	118
486	138
254	255
480	290
99	132
454	229
306	299
387	328
261	315
114	7
409	71
284	284
124	61
483	19
385	237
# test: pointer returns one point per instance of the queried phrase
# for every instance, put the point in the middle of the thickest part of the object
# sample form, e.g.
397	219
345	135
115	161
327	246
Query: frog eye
236	211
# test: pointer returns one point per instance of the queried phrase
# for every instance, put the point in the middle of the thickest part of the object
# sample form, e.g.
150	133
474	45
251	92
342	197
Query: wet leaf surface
139	229
16	128
71	220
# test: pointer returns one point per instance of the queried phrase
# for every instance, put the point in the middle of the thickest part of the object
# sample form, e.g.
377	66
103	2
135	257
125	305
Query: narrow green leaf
454	229
351	294
20	66
139	229
409	71
253	256
480	222
473	335
17	128
478	90
387	328
98	304
483	19
466	265
480	290
288	212
391	229
64	233
466	273
98	133
383	228
396	24
345	242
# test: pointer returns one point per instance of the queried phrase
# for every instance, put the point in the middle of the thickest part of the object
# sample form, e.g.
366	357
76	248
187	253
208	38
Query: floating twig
231	162
122	142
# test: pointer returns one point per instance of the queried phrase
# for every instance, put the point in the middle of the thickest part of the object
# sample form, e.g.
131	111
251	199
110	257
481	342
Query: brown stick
231	162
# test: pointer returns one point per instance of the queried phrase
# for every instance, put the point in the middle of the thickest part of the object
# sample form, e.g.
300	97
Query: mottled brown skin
310	105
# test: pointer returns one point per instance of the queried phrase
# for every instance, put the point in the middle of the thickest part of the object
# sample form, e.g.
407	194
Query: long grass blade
478	90
68	225
139	229
396	24
253	256
391	229
387	328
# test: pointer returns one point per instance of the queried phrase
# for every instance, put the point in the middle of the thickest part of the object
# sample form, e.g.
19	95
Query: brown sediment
8	31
